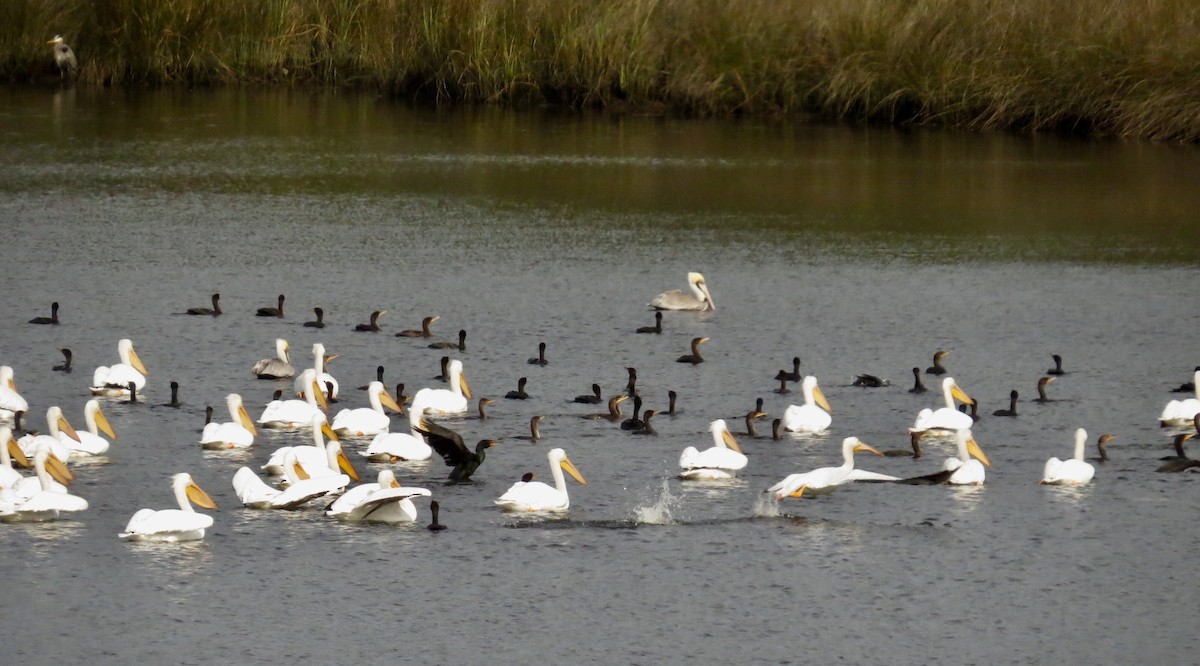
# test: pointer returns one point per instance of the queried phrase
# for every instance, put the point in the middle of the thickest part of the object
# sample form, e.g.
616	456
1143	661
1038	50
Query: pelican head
455	368
954	391
968	447
811	390
184	486
559	457
696	280
129	356
722	436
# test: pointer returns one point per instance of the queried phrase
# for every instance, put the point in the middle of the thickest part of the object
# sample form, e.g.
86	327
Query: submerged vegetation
1088	66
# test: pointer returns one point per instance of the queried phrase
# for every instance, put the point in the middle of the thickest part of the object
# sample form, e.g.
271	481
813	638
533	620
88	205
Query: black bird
52	319
534	434
174	402
1178	444
1042	397
320	321
378	378
783	381
646	428
445	376
483	403
372	327
461	345
449	445
914	452
593	399
695	356
758	409
918	387
776	428
401	399
634	422
631	385
936	368
208	412
541	357
656	328
277	395
435	526
750	430
18	429
65	366
520	393
1012	406
271	312
614	410
329	393
1186	387
1180	462
870	381
671	398
422	332
794	375
1057	369
133	400
214	311
1100	444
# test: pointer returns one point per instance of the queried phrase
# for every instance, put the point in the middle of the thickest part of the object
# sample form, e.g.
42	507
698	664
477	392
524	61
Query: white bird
256	494
700	299
182	524
722	461
115	379
1180	413
1071	471
56	427
10	451
945	418
296	413
814	415
90	442
11	401
319	460
447	401
325	381
279	367
826	479
367	420
49	502
393	446
383	502
237	433
537	496
967	468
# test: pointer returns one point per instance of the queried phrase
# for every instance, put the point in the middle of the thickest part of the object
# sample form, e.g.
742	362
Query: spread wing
448	444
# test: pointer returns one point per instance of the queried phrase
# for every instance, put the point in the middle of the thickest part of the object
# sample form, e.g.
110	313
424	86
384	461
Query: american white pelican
383	502
813	415
256	494
295	413
675	299
115	379
182	524
319	460
826	479
11	402
447	401
1071	471
237	433
9	451
50	498
537	496
1180	413
90	442
323	378
722	461
945	418
56	426
967	468
393	446
367	420
453	451
278	367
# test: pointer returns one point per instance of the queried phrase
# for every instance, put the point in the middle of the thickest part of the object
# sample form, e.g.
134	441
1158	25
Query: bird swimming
65	366
319	322
593	399
814	415
52	319
1012	405
373	326
272	312
534	496
918	387
461	345
277	367
694	357
422	332
449	445
1057	369
540	359
656	328
520	393
214	311
720	461
699	300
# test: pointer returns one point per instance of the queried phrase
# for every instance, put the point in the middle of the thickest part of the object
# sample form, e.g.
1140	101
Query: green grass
1128	68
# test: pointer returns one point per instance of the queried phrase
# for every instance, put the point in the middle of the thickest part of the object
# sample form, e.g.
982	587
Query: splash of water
658	513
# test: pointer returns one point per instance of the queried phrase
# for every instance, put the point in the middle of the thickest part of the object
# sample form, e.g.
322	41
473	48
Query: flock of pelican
319	469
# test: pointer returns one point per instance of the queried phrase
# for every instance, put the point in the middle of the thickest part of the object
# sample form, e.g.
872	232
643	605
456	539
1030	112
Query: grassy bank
1093	66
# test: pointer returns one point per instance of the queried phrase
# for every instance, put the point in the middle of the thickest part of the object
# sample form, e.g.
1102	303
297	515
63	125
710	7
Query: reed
1089	66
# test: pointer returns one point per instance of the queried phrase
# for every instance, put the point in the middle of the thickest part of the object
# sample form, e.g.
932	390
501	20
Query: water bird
276	367
324	457
271	312
449	445
299	490
777	429
434	525
814	415
88	442
1101	444
672	396
174	401
646	428
214	311
1180	413
319	322
447	401
914	441
373	326
325	382
534	496
593	399
614	410
1041	389
115	379
534	434
631	385
936	368
967	468
1012	405
794	375
46	501
64	57
751	431
52	319
1186	387
699	300
18	430
758	412
182	524
10	400
945	418
445	365
237	433
721	461
656	328
483	403
461	345
520	393
870	381
367	420
394	446
378	378
422	332
296	413
1179	462
694	357
918	387
635	421
541	357
783	389
65	366
1057	369
385	501
826	479
1072	471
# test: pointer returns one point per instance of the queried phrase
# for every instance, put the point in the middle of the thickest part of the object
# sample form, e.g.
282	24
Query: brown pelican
541	357
214	311
272	312
52	319
936	368
700	299
372	327
461	345
694	357
422	332
656	328
320	321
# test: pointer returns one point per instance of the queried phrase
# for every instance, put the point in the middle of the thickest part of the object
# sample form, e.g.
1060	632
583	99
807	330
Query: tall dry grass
1129	68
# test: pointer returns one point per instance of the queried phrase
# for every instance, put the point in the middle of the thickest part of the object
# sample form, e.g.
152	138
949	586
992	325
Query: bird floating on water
699	300
51	320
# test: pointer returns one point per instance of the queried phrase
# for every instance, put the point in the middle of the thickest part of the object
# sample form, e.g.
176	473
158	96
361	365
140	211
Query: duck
214	311
182	524
373	325
826	479
945	418
237	433
814	415
1180	413
694	358
1012	405
114	380
367	420
422	332
51	320
1072	471
461	345
277	367
385	501
449	445
614	410
721	461
319	322
536	496
593	399
656	328
520	393
700	300
936	368
447	401
276	311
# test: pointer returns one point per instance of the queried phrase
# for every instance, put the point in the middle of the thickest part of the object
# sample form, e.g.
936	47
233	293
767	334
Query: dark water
857	250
